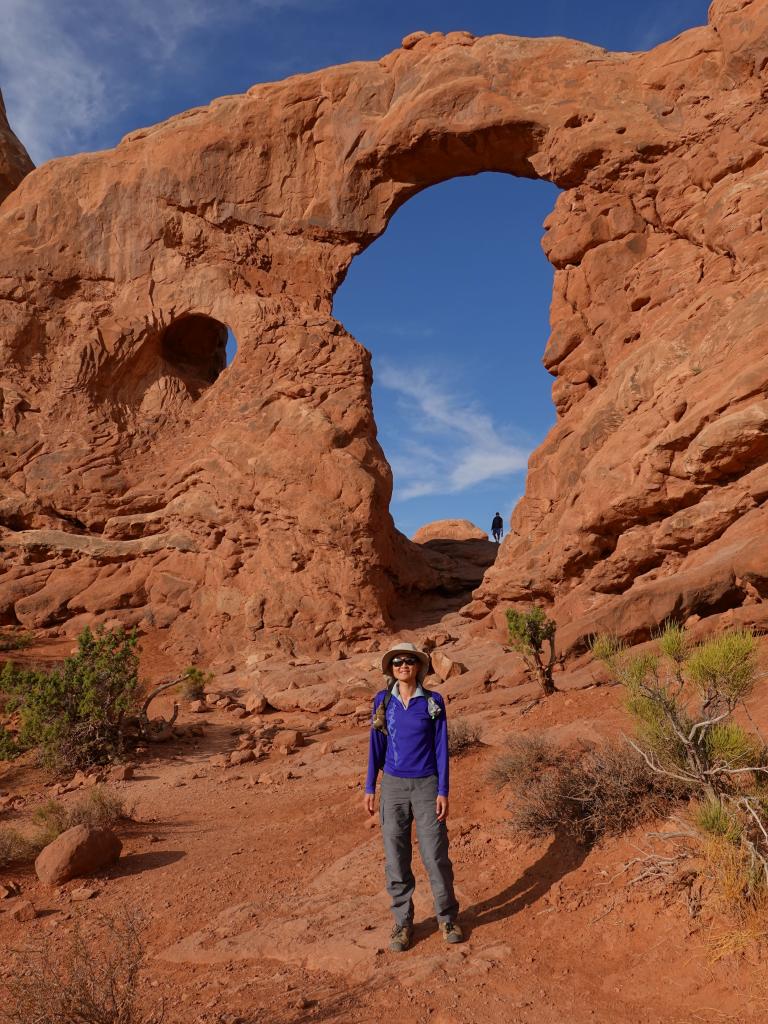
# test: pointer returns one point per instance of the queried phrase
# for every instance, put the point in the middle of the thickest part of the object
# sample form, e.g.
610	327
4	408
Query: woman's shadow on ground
562	856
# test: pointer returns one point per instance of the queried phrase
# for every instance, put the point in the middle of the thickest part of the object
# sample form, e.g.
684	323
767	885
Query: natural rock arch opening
194	349
454	310
452	302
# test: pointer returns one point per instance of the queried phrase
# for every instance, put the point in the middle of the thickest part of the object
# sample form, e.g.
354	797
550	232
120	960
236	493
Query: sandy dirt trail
265	902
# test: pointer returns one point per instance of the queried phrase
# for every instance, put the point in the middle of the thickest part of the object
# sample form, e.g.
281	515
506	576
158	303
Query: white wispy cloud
53	92
663	27
444	443
68	68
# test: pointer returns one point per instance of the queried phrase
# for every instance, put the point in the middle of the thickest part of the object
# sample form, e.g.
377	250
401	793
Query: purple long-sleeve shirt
416	745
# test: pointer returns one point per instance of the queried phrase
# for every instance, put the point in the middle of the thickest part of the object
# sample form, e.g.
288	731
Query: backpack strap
380	715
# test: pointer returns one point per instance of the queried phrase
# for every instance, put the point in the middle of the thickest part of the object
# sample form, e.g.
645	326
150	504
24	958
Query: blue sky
453	299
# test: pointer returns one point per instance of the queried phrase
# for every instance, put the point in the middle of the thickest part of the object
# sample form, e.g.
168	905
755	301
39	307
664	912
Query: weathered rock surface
256	703
141	483
449	529
77	853
446	667
14	159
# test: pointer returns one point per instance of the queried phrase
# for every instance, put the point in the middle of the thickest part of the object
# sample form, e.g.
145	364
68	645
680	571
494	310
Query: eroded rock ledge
142	483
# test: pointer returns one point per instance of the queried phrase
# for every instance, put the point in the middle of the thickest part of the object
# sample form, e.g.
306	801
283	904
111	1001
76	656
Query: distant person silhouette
497	527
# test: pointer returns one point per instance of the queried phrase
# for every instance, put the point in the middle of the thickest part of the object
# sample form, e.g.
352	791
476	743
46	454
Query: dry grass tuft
79	980
16	848
99	808
526	756
461	736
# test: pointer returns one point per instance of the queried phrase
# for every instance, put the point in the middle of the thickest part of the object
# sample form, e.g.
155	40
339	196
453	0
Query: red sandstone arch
261	511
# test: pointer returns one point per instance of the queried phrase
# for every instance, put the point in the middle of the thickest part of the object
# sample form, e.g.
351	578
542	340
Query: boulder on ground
432	640
256	703
287	740
446	667
24	910
241	756
77	853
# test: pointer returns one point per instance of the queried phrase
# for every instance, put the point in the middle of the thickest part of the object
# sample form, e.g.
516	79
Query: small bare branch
156	693
159	729
706	724
722	770
657	768
746	803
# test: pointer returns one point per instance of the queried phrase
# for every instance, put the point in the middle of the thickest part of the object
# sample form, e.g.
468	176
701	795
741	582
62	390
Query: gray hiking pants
403	801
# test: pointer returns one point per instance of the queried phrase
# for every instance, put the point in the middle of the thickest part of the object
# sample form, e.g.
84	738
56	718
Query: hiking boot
451	931
401	937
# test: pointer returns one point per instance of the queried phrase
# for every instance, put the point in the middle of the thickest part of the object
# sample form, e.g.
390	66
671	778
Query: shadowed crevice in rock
459	566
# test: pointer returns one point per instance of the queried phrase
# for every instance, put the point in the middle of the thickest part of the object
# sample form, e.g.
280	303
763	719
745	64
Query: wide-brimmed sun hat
405	647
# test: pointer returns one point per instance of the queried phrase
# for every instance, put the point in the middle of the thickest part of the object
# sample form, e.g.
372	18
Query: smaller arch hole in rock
231	346
195	348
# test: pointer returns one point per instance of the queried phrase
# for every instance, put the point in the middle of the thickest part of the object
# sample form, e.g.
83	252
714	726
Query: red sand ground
265	902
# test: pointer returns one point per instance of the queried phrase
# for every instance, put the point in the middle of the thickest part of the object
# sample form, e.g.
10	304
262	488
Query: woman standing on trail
409	741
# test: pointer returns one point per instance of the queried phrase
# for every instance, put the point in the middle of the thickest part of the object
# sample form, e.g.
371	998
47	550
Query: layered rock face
143	483
646	501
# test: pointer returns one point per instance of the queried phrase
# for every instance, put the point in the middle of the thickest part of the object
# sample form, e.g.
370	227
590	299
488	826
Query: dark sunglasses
404	661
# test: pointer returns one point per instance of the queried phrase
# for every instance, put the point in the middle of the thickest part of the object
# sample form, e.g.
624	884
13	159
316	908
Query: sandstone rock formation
142	483
14	159
449	529
647	498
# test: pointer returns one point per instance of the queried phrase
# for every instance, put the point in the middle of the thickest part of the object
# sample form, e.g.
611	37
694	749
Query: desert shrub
75	714
528	632
525	757
8	745
9	678
714	819
582	794
617	792
15	641
683	699
194	682
98	808
79	980
15	847
462	735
